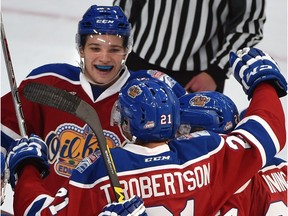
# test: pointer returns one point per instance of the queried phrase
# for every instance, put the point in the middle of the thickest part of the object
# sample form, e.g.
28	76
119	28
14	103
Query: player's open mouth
104	68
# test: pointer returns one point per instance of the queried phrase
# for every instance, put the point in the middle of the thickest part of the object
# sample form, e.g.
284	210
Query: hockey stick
12	81
62	100
15	98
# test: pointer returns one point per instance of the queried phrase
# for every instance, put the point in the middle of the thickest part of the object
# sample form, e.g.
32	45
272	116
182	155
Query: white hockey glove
132	207
252	66
27	151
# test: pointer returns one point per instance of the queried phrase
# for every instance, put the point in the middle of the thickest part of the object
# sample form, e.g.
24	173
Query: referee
190	40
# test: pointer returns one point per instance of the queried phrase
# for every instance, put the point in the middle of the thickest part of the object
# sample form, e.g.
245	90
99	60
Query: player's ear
124	58
81	52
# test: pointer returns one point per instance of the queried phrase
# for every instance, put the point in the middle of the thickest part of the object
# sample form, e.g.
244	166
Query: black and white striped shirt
191	35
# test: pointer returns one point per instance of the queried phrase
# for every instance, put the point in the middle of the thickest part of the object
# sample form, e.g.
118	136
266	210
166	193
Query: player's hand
201	82
132	207
24	151
252	66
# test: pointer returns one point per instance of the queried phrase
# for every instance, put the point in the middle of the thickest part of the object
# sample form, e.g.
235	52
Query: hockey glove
134	207
27	151
252	66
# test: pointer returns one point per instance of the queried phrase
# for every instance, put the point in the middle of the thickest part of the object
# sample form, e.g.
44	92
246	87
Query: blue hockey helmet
150	109
172	83
208	110
101	20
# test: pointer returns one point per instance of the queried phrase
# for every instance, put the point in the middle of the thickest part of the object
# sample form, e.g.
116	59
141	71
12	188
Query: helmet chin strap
102	84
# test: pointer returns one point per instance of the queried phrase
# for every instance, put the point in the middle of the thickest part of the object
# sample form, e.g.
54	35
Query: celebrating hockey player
266	192
103	40
201	170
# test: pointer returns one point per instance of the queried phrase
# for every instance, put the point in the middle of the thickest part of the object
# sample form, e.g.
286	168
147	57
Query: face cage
184	129
116	119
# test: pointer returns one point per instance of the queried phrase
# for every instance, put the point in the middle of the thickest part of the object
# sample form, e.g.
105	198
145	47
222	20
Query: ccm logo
158	158
104	21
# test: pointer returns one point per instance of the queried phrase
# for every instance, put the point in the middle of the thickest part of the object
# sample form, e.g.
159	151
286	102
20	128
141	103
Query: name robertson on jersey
166	183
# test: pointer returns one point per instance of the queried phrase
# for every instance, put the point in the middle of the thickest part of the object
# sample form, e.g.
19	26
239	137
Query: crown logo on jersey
134	91
199	100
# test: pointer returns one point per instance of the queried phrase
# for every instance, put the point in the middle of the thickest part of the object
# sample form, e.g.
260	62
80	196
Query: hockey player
104	40
266	192
201	170
269	190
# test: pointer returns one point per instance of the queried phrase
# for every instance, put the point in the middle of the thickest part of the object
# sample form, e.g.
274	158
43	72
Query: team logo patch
69	144
199	100
228	126
149	124
134	91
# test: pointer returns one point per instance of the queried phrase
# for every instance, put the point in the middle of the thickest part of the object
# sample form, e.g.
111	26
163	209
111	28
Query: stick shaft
12	81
